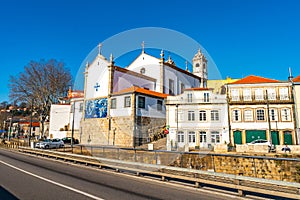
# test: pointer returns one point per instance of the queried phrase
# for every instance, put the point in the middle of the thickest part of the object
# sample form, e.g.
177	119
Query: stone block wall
94	131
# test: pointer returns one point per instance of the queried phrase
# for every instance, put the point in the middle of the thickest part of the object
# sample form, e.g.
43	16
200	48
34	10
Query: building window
191	116
271	94
192	137
159	104
284	93
214	115
180	137
190	97
273	115
127	101
72	107
202	115
235	95
80	107
206	97
236	115
259	95
141	102
248	115
182	87
202	137
247	95
260	115
215	137
171	87
113	103
285	114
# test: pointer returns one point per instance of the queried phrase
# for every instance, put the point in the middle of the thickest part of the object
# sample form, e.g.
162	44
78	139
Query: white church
123	106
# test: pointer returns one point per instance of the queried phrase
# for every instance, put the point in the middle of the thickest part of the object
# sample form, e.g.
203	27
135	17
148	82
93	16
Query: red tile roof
297	79
141	91
196	89
254	79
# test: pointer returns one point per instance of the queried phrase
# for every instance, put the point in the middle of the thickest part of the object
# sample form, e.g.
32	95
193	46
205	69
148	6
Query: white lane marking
55	183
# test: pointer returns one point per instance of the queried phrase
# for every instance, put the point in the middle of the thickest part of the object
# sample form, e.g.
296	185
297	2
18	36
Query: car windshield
47	140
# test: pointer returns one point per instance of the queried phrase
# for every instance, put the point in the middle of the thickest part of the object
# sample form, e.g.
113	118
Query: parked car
263	142
50	143
67	140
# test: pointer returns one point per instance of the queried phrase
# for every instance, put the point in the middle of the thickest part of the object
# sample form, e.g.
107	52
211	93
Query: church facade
124	106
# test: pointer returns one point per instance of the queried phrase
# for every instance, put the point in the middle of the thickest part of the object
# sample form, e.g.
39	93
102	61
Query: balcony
262	99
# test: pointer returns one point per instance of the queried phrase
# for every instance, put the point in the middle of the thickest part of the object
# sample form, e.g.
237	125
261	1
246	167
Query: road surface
29	177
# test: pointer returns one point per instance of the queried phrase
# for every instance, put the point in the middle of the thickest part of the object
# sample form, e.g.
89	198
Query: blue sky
243	37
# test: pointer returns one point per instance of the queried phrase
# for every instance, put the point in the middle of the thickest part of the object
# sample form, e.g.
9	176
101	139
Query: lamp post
177	121
30	125
72	142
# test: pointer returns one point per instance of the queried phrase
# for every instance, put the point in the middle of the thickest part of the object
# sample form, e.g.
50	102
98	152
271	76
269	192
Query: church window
141	102
127	101
260	115
182	87
143	70
197	65
171	87
113	103
159	105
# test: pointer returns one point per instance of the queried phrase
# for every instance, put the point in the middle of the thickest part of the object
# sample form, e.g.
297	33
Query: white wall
120	109
97	73
59	117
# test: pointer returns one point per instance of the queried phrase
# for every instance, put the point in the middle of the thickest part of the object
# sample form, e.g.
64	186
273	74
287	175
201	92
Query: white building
296	94
261	108
124	105
197	118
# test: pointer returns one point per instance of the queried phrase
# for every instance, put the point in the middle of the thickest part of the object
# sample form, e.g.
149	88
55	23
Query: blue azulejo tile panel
96	108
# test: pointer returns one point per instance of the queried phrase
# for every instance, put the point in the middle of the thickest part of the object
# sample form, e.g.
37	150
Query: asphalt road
30	177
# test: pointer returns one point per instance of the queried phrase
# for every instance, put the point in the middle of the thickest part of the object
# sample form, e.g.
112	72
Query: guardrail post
134	155
81	149
240	191
118	153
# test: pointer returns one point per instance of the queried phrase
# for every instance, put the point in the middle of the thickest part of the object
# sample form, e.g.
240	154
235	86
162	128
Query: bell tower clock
200	67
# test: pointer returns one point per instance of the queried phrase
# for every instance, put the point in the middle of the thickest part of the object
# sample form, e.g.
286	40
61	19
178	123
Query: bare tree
40	85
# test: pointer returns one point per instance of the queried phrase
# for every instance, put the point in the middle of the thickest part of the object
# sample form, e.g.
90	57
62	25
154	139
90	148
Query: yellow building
218	86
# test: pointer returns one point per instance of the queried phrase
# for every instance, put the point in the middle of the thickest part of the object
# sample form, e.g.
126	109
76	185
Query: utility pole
72	142
30	125
268	113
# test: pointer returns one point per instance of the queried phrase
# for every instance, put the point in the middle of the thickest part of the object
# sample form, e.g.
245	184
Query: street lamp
177	121
72	135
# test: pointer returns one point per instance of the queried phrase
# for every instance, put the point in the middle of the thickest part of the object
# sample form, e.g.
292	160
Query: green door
288	137
237	137
254	135
275	137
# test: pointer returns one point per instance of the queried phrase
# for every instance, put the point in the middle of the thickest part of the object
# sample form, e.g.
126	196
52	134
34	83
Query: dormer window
143	70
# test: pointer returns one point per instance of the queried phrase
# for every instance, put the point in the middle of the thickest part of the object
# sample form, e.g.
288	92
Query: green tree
40	85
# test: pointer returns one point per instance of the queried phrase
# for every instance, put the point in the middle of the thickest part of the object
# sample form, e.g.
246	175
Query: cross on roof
99	48
143	46
97	86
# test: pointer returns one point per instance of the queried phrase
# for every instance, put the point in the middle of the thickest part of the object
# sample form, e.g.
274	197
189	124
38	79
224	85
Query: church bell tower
200	68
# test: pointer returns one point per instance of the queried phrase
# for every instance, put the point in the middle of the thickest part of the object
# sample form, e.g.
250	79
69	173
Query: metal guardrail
200	178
